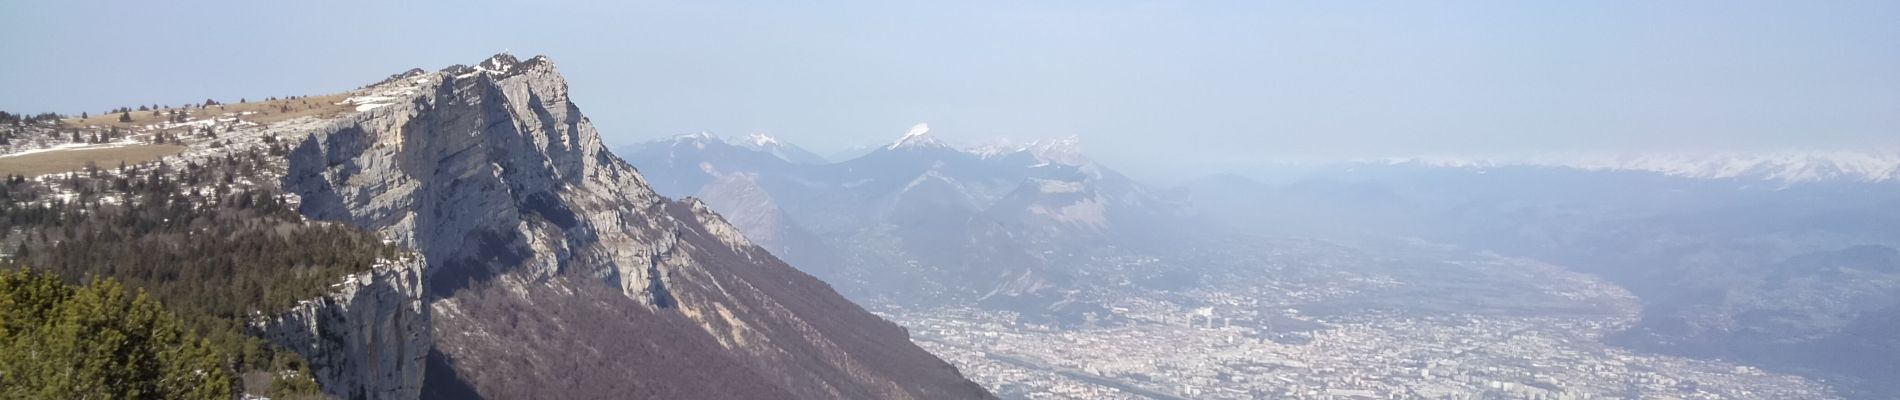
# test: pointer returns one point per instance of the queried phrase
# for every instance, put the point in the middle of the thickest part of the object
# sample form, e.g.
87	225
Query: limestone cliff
553	270
367	339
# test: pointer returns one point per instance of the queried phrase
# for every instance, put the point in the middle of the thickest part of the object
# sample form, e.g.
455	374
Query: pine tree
99	341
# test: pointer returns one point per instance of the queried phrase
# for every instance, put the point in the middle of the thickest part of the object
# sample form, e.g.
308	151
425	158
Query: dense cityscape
1236	343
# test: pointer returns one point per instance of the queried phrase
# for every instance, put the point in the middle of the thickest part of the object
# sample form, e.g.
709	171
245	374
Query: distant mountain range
1782	260
919	221
1789	264
765	143
1781	166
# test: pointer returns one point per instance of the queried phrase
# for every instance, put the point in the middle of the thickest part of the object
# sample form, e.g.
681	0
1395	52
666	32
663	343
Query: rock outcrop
553	270
367	339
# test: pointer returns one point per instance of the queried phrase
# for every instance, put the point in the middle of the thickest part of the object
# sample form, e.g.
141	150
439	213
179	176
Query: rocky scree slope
551	269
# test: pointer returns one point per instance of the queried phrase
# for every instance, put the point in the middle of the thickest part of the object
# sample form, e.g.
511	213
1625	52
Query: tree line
215	242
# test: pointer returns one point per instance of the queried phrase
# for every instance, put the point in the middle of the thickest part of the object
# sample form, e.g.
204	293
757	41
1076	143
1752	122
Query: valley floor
1328	324
76	157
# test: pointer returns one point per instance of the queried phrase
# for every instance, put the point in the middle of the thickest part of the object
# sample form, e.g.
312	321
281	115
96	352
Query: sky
1159	87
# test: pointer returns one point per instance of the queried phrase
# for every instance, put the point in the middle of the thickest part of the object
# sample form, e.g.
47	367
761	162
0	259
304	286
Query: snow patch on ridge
1786	167
1090	212
71	146
760	139
1055	186
1065	150
919	135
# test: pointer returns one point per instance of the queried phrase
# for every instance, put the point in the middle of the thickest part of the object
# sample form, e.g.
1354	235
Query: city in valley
913	200
1336	323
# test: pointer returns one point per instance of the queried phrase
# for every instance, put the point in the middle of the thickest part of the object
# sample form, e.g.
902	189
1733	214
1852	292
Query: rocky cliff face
552	270
367	339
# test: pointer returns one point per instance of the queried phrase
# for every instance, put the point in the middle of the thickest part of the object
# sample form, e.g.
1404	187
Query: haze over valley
1044	273
980	200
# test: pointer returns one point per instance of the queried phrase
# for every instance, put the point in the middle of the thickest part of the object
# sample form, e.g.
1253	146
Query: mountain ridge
1004	224
1783	167
519	214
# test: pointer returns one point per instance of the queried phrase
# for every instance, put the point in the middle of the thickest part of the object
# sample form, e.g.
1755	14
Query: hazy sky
1145	84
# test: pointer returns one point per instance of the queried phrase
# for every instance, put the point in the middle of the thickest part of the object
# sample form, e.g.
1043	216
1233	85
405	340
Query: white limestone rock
367	339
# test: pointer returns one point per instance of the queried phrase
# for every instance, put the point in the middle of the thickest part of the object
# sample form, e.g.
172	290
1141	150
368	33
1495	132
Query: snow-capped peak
1064	150
761	139
499	63
700	136
696	139
918	136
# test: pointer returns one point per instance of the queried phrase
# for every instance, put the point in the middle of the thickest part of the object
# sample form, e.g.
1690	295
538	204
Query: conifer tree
99	341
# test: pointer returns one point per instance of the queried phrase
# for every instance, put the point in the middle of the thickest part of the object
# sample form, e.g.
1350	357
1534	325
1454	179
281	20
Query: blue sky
1162	85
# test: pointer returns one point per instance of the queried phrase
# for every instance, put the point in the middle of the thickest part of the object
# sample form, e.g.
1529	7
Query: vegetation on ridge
205	240
99	341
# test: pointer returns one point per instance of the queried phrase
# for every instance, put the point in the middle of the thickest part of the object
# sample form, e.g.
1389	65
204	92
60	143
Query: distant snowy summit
1785	166
917	137
1065	150
757	141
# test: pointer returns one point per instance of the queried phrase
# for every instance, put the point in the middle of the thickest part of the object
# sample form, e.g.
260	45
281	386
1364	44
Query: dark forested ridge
206	240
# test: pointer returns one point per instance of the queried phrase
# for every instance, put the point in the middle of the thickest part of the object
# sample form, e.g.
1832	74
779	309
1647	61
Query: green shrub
99	341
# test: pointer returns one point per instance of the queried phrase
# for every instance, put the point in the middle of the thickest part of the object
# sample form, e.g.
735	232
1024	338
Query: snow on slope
918	136
1783	166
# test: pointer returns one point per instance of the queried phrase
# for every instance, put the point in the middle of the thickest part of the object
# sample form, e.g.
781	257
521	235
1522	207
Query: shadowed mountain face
555	272
1800	277
918	222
